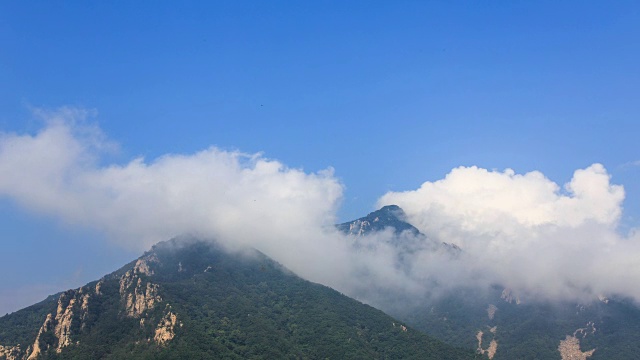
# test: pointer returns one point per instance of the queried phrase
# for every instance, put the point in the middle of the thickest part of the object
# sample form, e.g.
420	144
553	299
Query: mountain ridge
186	298
499	323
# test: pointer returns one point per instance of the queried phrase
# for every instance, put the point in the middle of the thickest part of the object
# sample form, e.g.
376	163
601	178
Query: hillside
499	323
186	299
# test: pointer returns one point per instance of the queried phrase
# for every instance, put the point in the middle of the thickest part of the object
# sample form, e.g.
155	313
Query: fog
521	231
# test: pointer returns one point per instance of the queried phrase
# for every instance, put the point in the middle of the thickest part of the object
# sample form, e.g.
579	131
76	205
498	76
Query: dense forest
228	306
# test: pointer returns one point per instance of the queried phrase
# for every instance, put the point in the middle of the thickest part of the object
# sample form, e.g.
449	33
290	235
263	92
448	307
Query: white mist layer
525	232
236	198
520	231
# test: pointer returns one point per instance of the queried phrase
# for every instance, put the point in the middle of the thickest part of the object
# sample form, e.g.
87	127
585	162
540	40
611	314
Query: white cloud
526	232
235	198
519	230
484	201
231	196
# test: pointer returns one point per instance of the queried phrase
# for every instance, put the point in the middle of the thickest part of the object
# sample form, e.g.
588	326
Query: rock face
137	292
508	296
165	331
36	349
73	306
140	298
493	344
10	352
64	316
491	311
569	348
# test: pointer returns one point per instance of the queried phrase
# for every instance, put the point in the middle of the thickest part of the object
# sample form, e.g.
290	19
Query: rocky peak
390	216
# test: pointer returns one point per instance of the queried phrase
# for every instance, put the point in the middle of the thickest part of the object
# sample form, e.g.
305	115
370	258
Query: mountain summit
406	237
390	216
190	299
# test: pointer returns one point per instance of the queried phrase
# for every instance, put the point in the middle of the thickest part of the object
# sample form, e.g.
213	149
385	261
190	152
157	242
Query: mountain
505	326
390	216
189	299
496	321
406	236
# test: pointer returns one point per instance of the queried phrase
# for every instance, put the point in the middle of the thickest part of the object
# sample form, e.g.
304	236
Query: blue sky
388	94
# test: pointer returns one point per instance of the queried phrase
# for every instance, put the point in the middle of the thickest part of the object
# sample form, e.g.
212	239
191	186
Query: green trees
230	306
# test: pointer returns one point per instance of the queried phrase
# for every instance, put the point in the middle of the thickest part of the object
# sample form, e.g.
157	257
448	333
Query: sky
125	124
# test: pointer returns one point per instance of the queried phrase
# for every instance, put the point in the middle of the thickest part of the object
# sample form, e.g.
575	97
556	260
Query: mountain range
191	298
499	323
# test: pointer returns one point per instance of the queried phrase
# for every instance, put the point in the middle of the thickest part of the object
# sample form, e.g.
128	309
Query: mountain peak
387	216
394	212
391	208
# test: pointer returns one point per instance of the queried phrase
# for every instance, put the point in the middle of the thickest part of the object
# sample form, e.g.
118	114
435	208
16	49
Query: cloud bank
236	198
526	232
522	231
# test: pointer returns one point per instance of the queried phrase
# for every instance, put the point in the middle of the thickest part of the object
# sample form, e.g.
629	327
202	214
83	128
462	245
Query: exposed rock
493	344
73	305
10	352
63	319
358	227
85	308
142	267
46	326
570	349
85	302
402	327
150	258
138	295
126	281
491	311
99	287
493	347
165	331
509	296
390	216
142	298
589	329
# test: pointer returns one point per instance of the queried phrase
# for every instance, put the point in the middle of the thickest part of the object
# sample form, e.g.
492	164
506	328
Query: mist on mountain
520	231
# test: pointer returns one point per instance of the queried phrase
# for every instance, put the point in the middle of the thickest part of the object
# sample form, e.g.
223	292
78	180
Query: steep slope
188	299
